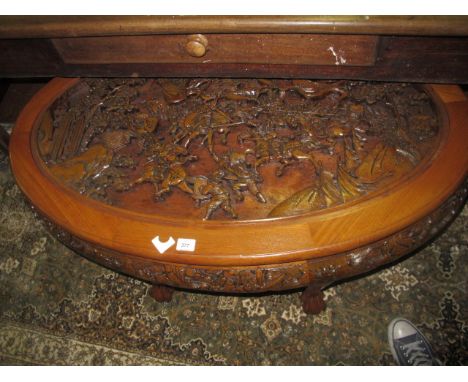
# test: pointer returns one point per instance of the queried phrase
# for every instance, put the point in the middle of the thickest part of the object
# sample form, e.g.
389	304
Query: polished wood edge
319	273
263	241
79	26
448	93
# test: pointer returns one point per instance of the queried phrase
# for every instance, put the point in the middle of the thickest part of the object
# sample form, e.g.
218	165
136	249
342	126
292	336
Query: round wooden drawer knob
196	45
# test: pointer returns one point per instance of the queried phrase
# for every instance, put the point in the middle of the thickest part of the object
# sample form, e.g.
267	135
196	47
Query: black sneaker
409	347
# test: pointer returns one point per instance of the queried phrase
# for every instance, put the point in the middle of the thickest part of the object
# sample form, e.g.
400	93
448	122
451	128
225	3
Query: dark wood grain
21	56
75	26
294	49
413	59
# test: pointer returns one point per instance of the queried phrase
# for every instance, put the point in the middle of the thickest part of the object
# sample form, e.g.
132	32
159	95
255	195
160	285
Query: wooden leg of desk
161	293
312	299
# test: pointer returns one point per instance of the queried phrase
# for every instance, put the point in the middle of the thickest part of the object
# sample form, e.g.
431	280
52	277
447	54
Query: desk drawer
303	49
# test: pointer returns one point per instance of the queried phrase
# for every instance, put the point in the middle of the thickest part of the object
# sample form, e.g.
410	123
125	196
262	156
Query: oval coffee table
243	186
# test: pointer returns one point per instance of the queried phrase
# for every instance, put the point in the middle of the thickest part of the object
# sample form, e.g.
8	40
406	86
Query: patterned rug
57	308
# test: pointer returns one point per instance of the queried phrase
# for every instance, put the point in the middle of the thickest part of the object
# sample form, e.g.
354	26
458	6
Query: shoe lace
417	354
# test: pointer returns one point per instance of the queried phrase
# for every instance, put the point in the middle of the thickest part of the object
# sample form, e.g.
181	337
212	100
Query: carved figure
230	90
165	168
308	89
213	192
194	125
176	177
240	175
284	150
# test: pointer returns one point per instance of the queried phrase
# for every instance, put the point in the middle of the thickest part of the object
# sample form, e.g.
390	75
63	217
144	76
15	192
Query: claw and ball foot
312	300
161	293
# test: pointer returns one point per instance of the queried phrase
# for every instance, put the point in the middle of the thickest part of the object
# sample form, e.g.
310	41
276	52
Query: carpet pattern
57	308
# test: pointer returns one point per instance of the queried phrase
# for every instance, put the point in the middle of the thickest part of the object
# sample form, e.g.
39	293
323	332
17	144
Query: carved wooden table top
243	185
269	158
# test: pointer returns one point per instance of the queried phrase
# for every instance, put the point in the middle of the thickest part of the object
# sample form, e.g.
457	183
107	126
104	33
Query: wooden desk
418	49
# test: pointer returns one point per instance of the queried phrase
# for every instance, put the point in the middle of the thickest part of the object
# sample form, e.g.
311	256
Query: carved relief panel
235	149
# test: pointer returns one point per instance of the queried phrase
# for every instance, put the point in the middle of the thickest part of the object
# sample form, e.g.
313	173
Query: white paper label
187	245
